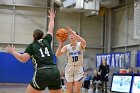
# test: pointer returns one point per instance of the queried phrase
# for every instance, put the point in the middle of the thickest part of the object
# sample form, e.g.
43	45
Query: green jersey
40	52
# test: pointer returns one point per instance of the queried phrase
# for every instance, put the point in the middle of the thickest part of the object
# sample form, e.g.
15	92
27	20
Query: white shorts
73	73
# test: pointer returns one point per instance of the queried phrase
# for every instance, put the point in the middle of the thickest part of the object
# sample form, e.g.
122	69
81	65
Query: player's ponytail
38	34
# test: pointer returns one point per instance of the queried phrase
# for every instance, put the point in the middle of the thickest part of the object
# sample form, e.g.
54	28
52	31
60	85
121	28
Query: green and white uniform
46	73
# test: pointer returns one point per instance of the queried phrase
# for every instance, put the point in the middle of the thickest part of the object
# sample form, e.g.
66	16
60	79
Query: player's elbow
84	42
24	57
57	54
23	60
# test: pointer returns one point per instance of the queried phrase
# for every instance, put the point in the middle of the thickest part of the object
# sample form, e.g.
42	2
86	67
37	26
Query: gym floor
18	88
14	88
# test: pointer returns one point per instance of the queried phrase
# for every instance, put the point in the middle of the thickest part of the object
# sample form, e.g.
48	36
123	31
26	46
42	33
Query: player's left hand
52	13
61	43
69	30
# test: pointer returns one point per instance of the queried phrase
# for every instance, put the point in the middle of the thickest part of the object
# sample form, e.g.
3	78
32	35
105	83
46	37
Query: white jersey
75	56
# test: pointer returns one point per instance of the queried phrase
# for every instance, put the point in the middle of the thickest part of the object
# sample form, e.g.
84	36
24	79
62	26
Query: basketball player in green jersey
46	73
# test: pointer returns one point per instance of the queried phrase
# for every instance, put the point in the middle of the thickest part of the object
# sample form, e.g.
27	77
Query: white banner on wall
114	60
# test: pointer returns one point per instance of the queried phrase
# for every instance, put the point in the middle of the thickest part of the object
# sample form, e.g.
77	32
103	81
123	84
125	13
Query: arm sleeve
48	38
29	49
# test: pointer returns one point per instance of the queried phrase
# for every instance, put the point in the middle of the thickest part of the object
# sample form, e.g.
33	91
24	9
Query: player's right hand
10	49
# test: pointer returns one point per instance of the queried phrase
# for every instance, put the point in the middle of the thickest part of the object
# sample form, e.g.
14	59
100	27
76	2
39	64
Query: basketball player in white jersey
74	68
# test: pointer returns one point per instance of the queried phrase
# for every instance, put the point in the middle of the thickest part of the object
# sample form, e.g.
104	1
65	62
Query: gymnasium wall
122	38
24	2
18	27
122	27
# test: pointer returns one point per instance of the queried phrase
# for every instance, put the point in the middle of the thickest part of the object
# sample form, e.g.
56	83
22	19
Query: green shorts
46	77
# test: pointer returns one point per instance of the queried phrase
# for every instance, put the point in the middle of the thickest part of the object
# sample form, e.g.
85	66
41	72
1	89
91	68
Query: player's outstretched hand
69	30
52	13
10	49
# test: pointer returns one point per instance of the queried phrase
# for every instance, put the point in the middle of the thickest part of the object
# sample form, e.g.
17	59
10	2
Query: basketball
61	35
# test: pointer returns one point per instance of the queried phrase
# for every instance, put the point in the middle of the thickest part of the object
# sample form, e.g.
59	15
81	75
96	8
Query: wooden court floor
14	88
18	88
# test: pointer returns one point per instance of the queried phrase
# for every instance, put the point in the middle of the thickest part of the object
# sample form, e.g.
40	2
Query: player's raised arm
61	49
51	22
79	38
61	36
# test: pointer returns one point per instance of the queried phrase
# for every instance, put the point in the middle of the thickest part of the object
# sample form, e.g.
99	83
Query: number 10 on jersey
74	58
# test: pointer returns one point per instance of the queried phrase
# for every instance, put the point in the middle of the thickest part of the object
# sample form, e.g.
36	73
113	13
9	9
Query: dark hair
76	32
38	34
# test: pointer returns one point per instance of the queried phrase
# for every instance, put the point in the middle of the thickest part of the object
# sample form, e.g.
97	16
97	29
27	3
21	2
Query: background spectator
104	70
86	83
96	80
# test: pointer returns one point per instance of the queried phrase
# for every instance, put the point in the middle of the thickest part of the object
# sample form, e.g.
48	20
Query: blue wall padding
55	59
13	71
138	59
